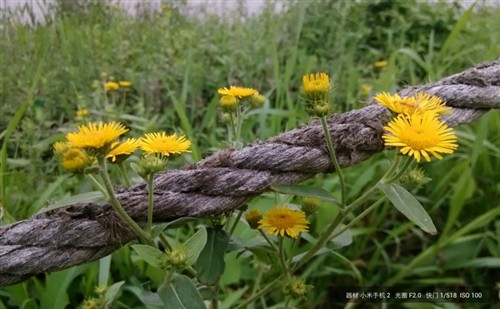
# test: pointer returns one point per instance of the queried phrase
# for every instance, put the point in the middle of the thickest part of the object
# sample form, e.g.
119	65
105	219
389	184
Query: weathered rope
224	181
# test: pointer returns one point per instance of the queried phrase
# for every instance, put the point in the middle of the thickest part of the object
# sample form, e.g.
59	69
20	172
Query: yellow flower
235	91
316	85
419	103
419	135
96	136
82	112
253	217
164	144
282	220
380	64
124	83
120	152
229	103
111	86
75	160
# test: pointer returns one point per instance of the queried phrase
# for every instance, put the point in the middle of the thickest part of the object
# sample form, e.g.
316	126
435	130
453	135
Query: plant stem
268	240
232	137
116	205
124	173
150	203
404	166
294	246
98	185
326	235
359	217
281	254
333	158
262	292
257	279
235	223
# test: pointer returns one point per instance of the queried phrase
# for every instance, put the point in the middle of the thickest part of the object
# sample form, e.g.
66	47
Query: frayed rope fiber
225	181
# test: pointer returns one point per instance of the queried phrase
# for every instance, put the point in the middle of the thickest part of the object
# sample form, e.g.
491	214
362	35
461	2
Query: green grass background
176	61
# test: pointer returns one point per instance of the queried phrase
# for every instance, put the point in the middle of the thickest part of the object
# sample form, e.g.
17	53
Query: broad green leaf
180	293
150	254
159	228
210	264
148	298
302	190
344	239
296	258
408	205
195	245
55	293
104	269
88	197
111	293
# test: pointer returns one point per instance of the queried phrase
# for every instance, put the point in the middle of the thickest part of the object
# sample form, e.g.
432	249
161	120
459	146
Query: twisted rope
225	181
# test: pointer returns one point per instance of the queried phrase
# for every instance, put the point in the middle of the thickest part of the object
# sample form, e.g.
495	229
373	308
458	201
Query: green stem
320	243
333	158
235	223
292	251
326	235
404	166
232	138
124	173
98	184
268	240
258	278
150	203
259	294
281	254
358	217
116	205
239	122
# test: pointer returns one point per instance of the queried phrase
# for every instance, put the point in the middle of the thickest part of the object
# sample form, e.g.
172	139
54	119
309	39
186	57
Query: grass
176	62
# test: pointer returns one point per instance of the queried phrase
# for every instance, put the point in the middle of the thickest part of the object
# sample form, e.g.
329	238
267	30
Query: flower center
420	137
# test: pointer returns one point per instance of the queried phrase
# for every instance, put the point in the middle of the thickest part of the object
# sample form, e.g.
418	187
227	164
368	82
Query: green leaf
210	264
302	190
111	293
150	254
42	199
104	269
232	298
453	36
88	197
55	293
195	245
344	239
408	205
180	293
487	262
159	228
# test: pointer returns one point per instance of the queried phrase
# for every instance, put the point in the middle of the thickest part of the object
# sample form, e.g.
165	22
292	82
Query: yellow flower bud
310	205
253	217
257	100
229	103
